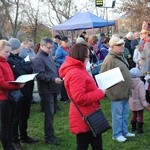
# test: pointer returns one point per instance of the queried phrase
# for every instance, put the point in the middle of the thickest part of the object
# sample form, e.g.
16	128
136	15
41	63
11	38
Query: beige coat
137	101
145	55
121	90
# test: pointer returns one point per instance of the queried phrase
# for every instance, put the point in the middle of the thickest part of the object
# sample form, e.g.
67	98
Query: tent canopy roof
84	20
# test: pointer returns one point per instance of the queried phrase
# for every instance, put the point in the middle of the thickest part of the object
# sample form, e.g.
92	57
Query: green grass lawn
67	140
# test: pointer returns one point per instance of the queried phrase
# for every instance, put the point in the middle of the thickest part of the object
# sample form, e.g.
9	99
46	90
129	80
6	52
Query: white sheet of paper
24	78
146	83
27	58
109	78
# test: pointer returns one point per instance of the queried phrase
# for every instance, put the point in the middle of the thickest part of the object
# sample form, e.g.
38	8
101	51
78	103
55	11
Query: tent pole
107	22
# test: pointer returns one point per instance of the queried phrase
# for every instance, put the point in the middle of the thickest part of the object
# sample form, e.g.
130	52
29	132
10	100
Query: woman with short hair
82	89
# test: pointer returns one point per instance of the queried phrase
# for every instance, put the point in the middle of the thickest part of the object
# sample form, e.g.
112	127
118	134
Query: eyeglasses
119	44
48	47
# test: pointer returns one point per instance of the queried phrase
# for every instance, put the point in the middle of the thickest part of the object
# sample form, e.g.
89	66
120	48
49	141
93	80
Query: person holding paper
82	89
60	55
6	105
119	93
21	109
26	49
28	54
48	86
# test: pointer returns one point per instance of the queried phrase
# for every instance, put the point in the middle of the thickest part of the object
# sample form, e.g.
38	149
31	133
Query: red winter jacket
83	90
6	75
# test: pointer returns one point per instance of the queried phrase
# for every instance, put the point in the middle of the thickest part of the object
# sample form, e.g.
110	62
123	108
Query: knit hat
135	72
115	40
129	34
14	43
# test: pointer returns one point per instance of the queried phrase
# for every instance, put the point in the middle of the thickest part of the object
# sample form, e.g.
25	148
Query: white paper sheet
24	78
147	77
109	78
27	58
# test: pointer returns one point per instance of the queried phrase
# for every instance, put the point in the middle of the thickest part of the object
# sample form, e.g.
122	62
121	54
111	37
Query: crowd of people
67	69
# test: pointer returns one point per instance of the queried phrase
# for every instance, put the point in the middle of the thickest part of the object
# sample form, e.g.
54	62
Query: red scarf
143	43
66	49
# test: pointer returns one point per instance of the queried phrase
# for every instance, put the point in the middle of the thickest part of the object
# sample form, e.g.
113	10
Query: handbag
96	121
15	95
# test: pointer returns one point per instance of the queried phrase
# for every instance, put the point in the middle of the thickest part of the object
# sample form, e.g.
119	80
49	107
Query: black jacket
20	67
45	66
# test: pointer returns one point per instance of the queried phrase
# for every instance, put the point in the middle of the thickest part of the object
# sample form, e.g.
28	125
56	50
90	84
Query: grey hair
46	40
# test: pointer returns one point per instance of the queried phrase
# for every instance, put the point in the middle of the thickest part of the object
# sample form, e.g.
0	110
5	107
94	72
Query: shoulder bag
96	121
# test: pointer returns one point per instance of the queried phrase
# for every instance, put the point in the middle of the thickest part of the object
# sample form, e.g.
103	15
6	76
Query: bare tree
2	22
8	5
136	11
33	17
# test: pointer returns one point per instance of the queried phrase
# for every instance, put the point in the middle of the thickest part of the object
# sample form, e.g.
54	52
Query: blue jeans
120	114
48	108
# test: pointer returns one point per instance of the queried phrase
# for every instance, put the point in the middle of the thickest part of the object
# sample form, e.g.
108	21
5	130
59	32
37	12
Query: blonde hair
92	40
3	43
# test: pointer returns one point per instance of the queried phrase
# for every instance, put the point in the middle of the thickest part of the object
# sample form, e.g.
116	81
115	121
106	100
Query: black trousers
84	139
64	95
49	110
6	124
16	120
25	108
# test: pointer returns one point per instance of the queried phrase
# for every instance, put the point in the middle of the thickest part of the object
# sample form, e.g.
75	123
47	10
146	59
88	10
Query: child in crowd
137	101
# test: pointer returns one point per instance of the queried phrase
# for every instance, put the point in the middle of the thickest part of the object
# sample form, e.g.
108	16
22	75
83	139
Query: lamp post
99	3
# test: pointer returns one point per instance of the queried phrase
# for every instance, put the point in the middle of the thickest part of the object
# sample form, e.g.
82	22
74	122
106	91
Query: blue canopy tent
81	21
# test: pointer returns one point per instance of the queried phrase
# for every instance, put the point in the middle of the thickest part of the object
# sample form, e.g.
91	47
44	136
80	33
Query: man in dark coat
48	86
22	108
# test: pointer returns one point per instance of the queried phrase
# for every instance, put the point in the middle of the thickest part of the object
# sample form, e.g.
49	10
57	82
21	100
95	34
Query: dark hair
46	40
106	40
79	51
57	37
64	38
102	35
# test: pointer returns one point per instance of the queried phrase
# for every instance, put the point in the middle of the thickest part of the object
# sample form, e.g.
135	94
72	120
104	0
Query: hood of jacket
68	64
134	82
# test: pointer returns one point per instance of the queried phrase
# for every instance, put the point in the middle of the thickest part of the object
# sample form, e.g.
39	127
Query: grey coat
145	55
44	65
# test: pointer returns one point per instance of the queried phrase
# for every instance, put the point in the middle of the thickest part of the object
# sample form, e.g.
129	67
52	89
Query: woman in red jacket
6	75
82	88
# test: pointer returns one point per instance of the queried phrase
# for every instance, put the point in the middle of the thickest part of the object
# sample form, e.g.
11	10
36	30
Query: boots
134	128
140	127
